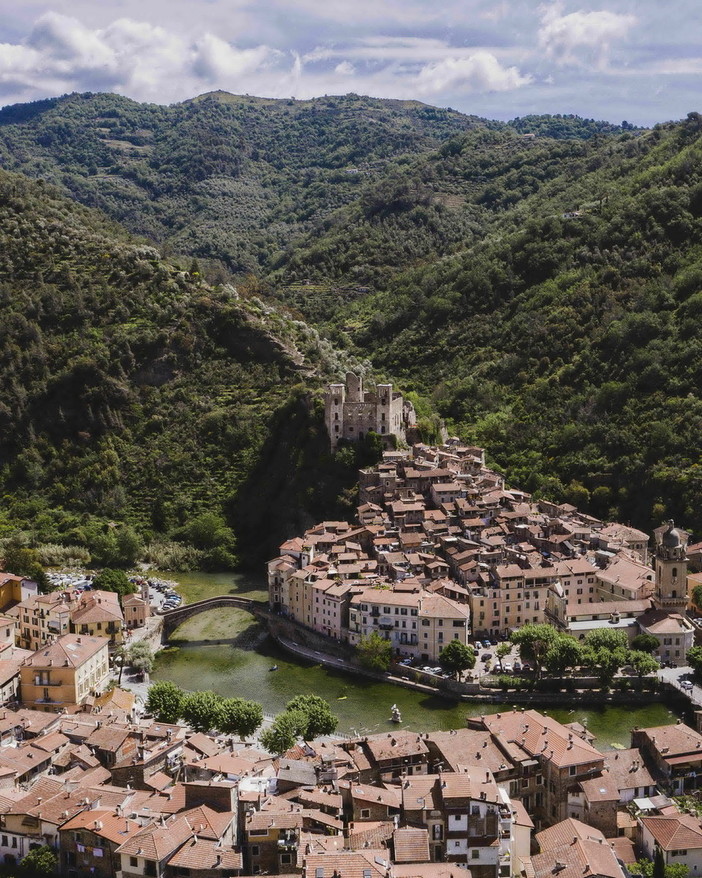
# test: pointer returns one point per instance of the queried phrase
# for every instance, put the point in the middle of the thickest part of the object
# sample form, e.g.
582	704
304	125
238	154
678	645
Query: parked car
507	668
478	645
487	644
686	684
517	666
486	657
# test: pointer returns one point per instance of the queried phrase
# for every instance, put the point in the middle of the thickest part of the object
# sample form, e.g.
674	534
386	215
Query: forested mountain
563	332
221	177
535	283
136	399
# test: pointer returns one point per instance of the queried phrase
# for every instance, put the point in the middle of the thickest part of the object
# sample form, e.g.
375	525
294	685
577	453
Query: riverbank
474	692
238	660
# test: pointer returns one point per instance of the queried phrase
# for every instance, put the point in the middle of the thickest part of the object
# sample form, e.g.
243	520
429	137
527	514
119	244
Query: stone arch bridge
173	618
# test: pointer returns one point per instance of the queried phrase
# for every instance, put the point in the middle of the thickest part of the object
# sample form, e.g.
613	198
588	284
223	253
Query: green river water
227	651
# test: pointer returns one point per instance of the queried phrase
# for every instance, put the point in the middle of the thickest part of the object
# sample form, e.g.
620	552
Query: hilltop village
443	550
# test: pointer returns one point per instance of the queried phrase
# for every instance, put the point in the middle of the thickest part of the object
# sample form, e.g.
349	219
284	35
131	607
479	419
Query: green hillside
135	397
227	178
564	333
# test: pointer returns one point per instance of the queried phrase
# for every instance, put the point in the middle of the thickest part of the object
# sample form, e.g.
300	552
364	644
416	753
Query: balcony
288	841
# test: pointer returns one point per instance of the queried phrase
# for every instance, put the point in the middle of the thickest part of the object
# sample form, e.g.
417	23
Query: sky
634	60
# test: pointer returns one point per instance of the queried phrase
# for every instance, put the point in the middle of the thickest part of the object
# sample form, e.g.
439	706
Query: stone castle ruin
350	412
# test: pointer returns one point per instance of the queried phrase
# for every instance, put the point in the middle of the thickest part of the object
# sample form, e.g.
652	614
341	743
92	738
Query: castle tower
383	416
671	568
354	385
334	400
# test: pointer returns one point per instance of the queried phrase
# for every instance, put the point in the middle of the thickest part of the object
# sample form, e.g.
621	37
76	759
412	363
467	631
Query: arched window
675	572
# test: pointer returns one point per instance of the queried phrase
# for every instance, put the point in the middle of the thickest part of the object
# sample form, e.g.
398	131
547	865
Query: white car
686	684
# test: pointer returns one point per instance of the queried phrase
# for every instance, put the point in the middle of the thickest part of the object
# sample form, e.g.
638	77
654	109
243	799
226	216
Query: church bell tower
671	568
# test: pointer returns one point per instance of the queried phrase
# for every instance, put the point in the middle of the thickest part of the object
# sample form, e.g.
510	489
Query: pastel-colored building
65	673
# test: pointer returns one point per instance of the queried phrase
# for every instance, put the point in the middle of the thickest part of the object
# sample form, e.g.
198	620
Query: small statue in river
395	715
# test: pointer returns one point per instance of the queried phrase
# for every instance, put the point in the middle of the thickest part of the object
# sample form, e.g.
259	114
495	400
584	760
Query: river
227	651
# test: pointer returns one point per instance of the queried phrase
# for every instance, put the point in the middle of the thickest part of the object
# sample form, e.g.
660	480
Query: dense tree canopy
457	657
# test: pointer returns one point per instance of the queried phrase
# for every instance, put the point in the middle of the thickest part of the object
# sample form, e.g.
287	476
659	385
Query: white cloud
581	37
345	68
215	59
480	72
677	67
137	58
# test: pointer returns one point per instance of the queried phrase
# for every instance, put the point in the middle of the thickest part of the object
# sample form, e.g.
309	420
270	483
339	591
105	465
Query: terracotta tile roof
11	659
109	738
543	736
118	698
675	832
600	789
318	797
273	820
70	650
391	797
520	815
204	853
580	858
105	824
429	870
564	832
395	745
624	849
411	845
627	769
675	740
158	840
467	747
439	606
203	744
370	833
208	823
158	781
350	864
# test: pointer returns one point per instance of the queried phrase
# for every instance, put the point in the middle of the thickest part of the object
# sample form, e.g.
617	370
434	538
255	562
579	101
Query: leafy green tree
642	662
141	657
658	863
564	653
645	643
128	547
534	642
457	657
645	868
210	533
23	561
502	651
165	701
202	710
283	732
606	638
320	719
605	651
240	717
604	662
114	580
39	861
374	652
697	596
